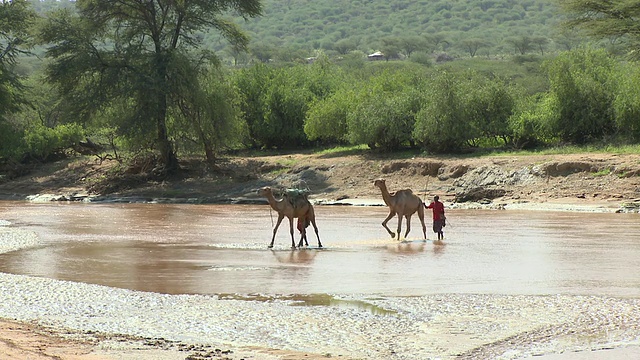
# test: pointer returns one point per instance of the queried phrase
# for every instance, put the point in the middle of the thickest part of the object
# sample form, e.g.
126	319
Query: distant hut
376	56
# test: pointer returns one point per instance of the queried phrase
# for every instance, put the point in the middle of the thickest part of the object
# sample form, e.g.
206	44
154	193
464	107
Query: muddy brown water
222	249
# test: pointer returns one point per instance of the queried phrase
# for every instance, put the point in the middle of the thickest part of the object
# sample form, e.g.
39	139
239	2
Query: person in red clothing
438	216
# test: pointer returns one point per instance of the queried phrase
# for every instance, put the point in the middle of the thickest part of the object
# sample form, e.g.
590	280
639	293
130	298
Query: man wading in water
438	216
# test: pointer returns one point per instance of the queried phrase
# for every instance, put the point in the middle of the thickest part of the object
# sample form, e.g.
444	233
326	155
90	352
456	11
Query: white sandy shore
428	327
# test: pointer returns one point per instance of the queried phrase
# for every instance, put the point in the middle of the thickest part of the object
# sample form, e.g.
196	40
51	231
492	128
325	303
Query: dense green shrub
275	101
208	120
286	102
580	81
11	143
384	115
42	142
489	105
443	123
626	104
528	124
327	118
252	84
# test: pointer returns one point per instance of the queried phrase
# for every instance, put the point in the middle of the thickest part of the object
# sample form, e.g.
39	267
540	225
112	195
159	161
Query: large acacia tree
15	18
613	19
139	55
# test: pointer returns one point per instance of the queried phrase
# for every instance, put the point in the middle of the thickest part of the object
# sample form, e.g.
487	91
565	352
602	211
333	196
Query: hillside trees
139	54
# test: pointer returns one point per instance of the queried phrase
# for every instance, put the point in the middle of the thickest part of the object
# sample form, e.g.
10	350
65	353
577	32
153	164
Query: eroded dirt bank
610	180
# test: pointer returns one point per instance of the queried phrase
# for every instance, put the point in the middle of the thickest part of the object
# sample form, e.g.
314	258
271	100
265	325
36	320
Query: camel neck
385	195
272	202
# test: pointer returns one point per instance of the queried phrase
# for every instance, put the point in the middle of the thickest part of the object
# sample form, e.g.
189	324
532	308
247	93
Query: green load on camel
297	197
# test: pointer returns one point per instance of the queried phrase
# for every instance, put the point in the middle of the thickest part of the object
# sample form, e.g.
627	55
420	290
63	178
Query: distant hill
450	25
298	28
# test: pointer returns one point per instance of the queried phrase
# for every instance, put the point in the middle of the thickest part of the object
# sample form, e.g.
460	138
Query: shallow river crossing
554	272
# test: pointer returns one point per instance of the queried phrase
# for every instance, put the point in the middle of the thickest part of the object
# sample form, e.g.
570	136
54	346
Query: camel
299	207
404	203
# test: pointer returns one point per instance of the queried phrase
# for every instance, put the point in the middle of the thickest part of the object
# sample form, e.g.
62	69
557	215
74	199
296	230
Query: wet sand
116	321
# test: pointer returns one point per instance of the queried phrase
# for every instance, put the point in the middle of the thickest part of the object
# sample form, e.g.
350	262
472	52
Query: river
517	259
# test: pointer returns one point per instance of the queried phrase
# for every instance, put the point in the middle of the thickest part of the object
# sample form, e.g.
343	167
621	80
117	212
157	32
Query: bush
626	104
327	119
384	114
275	101
42	142
528	124
443	123
581	83
489	105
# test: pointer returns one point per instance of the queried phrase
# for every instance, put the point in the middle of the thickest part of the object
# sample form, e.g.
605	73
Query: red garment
438	210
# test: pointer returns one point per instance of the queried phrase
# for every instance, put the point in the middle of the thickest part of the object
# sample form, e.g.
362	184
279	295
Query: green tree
327	118
210	117
522	44
390	47
616	19
489	105
581	85
442	124
540	42
530	119
384	112
15	19
264	53
410	44
627	102
472	45
138	52
437	40
345	46
252	84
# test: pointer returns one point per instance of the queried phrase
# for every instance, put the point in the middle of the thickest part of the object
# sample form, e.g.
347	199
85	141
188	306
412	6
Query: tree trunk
168	158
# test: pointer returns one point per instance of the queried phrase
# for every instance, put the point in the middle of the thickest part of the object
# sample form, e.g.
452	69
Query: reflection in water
301	256
214	249
407	247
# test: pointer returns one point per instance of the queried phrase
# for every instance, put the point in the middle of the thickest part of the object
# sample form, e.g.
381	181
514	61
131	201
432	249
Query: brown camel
300	207
404	203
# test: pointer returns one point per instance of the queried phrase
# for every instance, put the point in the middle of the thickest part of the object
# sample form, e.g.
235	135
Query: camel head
380	183
265	191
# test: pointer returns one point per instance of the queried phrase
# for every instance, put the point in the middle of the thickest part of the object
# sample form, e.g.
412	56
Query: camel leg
315	227
303	238
421	217
408	226
302	228
400	216
293	243
275	230
384	223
